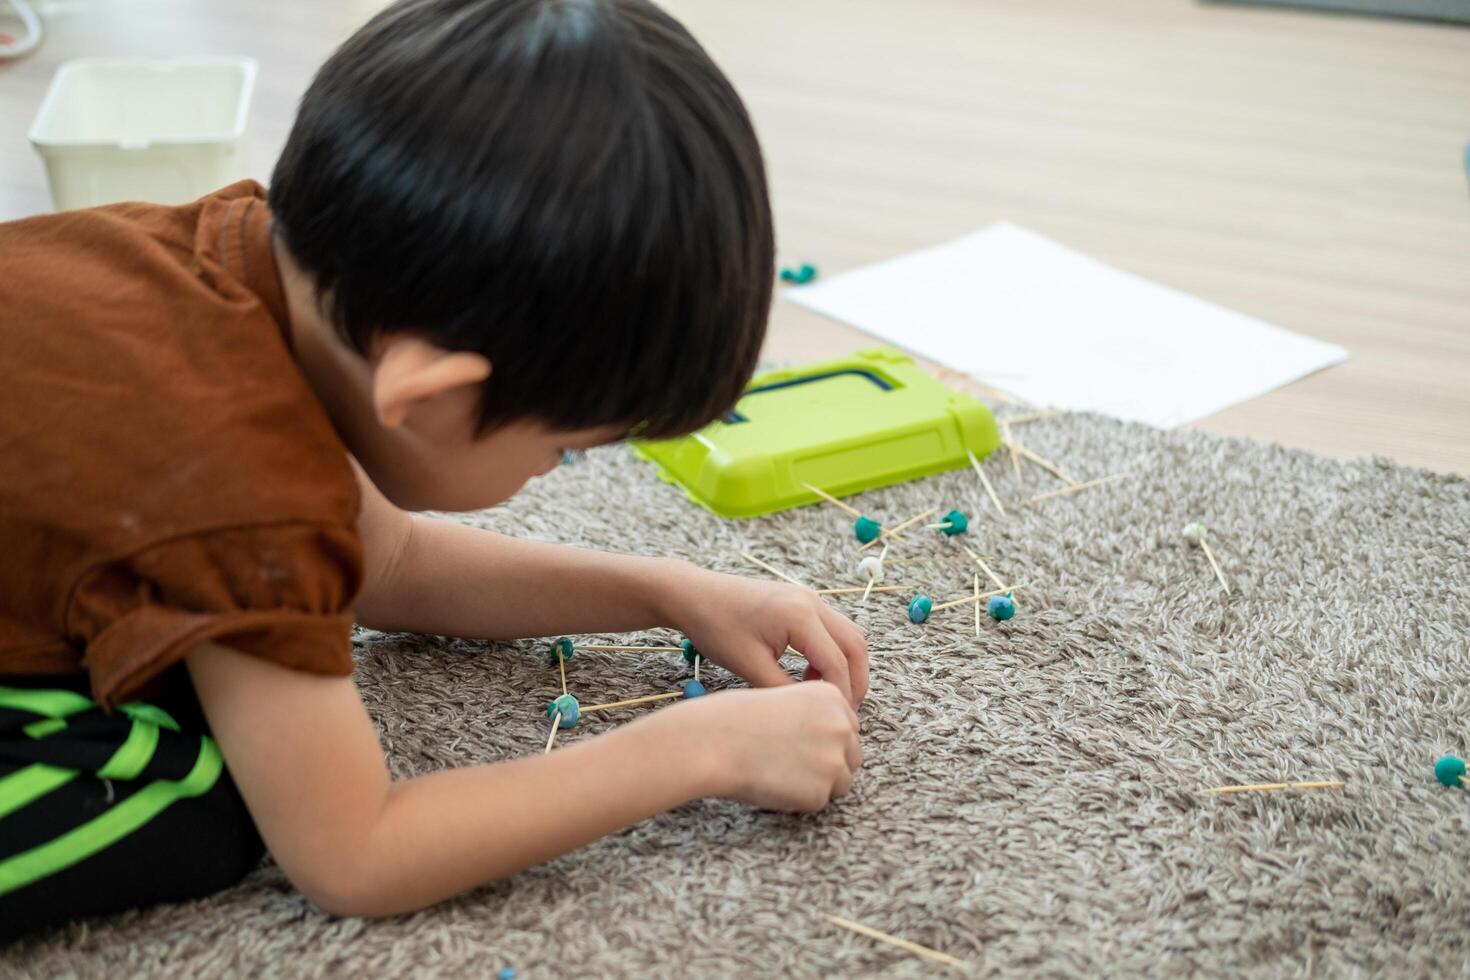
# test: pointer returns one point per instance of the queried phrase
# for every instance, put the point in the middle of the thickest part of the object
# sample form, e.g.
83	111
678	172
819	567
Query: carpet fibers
1031	800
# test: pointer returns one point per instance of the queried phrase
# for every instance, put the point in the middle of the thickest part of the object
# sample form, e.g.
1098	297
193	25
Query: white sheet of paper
1057	328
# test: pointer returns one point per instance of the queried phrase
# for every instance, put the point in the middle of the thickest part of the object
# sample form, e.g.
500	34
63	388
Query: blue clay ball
569	708
562	648
1001	607
506	974
694	689
957	521
866	529
919	608
1449	770
690	653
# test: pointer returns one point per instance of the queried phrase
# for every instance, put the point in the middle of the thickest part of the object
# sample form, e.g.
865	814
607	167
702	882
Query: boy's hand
791	748
745	625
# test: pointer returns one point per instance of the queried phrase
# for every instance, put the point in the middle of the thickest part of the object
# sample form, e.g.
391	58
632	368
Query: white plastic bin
131	129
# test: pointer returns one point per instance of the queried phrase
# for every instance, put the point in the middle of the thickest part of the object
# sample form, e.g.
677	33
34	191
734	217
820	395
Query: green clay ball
562	649
1450	770
569	708
866	529
957	521
919	608
690	653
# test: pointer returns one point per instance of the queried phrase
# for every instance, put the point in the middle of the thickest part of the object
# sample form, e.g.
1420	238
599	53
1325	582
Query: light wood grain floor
1304	168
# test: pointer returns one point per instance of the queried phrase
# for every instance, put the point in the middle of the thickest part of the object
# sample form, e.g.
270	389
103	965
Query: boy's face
473	471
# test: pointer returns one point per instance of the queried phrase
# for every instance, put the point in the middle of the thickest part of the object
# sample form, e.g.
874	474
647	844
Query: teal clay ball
690	653
1450	770
694	689
569	708
957	521
799	276
562	649
866	529
919	608
1001	607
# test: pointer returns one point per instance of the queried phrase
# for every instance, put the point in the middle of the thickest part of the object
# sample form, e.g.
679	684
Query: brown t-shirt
167	477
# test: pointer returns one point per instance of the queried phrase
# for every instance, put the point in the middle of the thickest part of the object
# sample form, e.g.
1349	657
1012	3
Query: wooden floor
1304	168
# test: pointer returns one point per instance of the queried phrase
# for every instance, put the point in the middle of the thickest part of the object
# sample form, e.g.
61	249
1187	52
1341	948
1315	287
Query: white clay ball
870	569
1194	533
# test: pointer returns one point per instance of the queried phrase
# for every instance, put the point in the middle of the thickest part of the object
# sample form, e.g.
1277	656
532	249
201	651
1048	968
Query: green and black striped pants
102	812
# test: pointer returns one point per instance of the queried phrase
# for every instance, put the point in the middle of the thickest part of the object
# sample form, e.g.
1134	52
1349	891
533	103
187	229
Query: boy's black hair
569	187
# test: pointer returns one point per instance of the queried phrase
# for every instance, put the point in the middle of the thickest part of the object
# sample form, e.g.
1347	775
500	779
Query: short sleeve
280	592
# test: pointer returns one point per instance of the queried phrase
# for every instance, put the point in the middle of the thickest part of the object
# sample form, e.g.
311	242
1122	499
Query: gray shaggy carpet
1031	800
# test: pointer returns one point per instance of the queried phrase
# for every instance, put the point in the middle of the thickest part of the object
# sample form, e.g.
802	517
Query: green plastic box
867	420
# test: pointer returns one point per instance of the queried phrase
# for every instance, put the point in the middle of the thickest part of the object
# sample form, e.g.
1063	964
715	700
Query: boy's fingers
760	669
854	646
854	753
843	784
822	652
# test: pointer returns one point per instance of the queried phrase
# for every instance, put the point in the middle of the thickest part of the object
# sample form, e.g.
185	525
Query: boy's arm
306	758
433	576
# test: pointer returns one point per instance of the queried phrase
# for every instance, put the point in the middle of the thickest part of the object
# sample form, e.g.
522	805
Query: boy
500	229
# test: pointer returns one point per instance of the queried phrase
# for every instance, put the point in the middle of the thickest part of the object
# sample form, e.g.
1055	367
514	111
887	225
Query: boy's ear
410	370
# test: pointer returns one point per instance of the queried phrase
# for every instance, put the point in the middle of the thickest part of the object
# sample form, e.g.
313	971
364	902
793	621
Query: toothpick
555	724
1075	487
986	569
1047	465
893	532
977	604
632	701
833	500
770	568
561	664
1214	564
1011	444
697	659
1003	590
1276	787
849	590
929	560
1031	417
985	482
915	948
619	648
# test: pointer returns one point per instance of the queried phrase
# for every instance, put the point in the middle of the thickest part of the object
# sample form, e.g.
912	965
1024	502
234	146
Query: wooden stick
770	568
1214	564
977	604
899	527
986	569
985	482
1047	465
884	937
967	599
849	590
555	724
935	558
561	664
616	648
1031	417
697	659
833	500
632	701
1011	444
1075	487
1275	787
